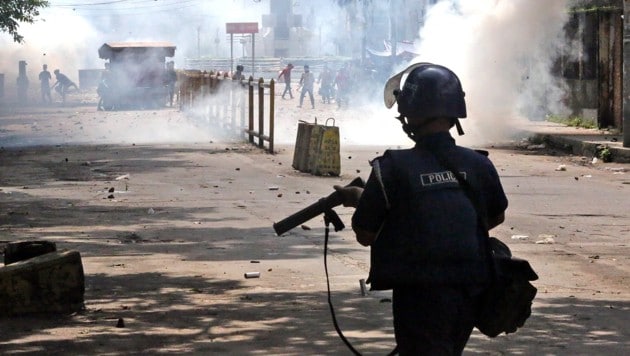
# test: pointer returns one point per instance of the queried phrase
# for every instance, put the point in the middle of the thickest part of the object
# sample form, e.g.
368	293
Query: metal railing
260	133
222	101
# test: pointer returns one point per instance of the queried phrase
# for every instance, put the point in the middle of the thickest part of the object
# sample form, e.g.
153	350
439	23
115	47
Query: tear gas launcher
323	205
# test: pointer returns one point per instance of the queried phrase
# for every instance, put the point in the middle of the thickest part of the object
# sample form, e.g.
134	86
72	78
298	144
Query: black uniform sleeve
373	205
496	201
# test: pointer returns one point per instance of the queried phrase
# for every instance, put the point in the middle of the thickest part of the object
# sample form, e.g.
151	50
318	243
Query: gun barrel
313	210
300	217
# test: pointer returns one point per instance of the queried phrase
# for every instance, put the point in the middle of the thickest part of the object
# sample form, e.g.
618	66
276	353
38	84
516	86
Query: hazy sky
501	49
70	32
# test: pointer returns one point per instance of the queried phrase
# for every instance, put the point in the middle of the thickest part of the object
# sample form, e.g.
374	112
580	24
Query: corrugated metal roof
108	49
138	44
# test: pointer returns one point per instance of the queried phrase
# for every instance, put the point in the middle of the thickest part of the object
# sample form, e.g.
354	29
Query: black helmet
430	91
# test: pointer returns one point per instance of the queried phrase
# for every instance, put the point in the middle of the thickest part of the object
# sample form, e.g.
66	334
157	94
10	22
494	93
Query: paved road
175	273
167	251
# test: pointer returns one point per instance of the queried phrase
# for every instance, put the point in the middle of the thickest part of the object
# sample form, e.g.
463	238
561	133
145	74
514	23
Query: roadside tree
14	12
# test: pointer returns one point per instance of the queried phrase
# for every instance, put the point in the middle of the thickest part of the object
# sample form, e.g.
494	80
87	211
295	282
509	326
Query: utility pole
393	21
198	42
626	74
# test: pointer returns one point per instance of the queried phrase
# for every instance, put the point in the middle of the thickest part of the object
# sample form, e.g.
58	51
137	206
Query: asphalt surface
169	249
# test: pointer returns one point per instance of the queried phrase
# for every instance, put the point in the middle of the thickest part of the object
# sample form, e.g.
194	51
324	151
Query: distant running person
62	84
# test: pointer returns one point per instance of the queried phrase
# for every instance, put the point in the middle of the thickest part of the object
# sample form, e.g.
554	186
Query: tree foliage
14	12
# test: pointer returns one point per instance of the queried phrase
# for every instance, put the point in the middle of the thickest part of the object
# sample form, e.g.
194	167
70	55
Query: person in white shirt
306	82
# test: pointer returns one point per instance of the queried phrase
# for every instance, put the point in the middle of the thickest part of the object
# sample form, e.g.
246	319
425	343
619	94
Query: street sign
241	27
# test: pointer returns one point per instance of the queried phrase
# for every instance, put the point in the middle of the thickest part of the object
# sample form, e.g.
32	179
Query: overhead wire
90	4
131	7
125	5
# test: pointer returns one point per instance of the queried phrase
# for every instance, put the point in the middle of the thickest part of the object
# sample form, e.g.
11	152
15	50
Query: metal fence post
251	109
261	112
272	109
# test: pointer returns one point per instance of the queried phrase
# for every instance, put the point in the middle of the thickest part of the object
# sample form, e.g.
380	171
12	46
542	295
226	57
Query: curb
585	148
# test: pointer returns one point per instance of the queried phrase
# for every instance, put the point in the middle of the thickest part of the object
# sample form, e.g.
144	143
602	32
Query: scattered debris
274	188
17	212
129	238
252	274
124	176
541	146
561	167
150	211
111	190
306	227
363	286
617	170
519	237
120	323
546	239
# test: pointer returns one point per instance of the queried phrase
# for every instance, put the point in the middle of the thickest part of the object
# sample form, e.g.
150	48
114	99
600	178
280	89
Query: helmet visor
393	84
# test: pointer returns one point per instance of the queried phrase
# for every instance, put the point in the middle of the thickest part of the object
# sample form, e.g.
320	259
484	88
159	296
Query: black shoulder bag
507	302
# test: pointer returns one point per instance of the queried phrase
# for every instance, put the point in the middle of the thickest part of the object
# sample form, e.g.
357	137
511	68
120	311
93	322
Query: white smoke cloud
60	39
69	33
503	51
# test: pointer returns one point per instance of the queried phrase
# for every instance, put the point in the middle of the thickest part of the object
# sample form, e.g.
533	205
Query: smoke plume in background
58	39
503	52
69	33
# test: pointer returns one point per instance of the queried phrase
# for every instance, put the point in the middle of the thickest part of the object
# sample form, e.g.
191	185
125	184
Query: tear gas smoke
69	33
502	51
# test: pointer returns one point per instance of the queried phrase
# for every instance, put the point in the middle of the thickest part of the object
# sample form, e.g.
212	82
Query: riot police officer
422	227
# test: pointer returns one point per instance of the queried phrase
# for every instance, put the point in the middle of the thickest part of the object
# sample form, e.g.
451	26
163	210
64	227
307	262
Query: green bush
605	154
574	121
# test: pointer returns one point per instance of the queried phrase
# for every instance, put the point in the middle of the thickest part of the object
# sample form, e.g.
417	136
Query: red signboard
241	27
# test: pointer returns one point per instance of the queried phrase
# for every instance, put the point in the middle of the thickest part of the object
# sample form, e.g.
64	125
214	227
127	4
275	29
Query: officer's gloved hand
349	195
